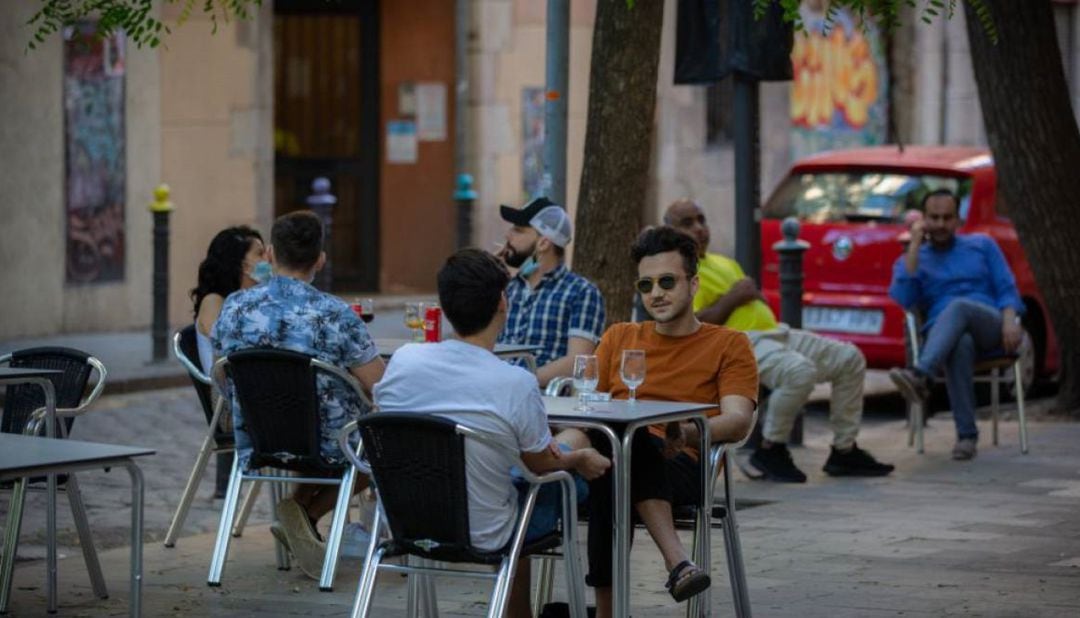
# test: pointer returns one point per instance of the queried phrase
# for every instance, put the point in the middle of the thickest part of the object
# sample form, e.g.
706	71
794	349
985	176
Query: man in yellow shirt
790	361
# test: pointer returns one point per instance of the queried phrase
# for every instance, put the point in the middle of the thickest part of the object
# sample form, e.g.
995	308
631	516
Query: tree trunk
1036	146
622	100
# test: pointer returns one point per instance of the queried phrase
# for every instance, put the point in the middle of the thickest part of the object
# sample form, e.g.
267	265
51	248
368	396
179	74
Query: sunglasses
666	282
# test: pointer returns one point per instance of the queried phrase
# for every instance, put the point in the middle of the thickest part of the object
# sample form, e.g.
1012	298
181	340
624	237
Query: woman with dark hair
233	262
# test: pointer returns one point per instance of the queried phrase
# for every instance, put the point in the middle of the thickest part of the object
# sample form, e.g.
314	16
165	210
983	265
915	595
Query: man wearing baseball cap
550	307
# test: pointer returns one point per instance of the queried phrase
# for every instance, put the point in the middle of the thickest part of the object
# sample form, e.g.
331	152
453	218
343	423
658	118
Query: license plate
840	320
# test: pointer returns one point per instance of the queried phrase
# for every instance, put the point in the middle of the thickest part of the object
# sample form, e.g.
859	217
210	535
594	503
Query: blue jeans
548	510
962	332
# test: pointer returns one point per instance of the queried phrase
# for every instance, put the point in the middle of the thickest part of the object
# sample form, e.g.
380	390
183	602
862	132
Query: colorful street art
839	93
95	155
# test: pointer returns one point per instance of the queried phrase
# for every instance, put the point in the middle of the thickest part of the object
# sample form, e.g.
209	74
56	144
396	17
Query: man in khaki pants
790	361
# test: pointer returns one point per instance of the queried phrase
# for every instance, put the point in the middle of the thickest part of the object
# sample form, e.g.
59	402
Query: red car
851	205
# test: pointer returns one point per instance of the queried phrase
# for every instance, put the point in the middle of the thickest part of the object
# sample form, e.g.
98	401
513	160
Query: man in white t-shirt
459	377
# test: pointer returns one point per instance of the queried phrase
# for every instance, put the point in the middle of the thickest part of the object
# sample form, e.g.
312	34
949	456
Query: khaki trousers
790	362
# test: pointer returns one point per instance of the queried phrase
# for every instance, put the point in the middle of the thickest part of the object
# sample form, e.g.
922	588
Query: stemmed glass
633	371
414	320
586	377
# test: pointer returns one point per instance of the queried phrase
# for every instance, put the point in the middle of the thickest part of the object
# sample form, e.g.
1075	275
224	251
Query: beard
673	310
515	258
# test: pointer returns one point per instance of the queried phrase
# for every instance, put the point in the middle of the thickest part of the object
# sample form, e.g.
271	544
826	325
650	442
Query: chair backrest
418	463
279	403
186	349
21	400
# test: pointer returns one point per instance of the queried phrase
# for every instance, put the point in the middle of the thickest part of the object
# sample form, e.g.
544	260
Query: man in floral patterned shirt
287	313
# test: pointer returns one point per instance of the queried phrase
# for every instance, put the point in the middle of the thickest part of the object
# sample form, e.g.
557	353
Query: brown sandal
686	580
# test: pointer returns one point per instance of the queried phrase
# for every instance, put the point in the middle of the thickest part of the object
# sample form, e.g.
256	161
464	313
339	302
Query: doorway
326	120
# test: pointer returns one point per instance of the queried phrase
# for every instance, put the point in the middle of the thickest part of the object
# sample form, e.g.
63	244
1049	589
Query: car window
859	196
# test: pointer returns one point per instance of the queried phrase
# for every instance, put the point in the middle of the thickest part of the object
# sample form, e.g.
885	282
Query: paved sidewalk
999	536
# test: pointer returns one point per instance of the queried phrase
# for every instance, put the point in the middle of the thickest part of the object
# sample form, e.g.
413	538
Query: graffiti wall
94	155
839	92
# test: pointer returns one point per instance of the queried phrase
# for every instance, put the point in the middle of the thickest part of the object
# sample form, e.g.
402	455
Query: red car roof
954	158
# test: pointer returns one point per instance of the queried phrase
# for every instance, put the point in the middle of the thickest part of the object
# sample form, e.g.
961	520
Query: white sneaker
354	541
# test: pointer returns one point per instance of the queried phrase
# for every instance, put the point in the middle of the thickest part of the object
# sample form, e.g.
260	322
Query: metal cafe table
26	456
616	417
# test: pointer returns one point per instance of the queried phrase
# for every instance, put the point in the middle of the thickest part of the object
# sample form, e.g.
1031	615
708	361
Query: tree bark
1036	145
615	175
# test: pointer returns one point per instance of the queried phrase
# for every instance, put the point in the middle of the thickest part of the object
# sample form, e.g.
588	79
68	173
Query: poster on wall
839	91
401	142
94	152
431	111
532	141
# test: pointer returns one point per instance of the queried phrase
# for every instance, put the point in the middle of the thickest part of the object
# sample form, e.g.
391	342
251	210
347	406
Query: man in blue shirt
967	294
558	311
287	313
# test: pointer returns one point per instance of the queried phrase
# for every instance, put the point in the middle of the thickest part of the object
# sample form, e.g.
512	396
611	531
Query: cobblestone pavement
996	537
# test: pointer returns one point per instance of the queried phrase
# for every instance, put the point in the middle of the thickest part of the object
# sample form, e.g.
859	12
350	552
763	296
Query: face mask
261	271
529	267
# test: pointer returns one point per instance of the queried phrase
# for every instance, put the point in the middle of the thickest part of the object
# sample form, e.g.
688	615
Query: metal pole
557	85
161	207
321	202
790	251
747	175
464	196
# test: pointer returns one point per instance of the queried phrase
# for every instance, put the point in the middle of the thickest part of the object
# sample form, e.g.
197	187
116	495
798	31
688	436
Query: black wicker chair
417	462
279	403
24	413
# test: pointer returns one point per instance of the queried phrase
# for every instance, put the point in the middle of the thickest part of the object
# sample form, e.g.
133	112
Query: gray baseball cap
544	216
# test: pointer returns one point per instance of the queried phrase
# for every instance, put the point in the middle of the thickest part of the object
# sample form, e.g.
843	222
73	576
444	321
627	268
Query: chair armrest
194	371
346	377
355	457
82	408
556	386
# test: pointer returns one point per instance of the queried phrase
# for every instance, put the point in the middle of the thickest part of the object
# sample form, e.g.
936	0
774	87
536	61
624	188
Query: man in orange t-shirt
686	360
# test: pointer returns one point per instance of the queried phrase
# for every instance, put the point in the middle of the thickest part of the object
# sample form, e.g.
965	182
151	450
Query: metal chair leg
337	525
917	417
228	513
280	553
365	590
245	509
86	541
545	576
911	425
189	492
995	403
11	541
733	549
1018	373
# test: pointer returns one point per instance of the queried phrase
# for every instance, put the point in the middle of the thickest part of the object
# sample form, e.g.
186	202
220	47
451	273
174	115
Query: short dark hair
940	193
297	239
662	239
471	283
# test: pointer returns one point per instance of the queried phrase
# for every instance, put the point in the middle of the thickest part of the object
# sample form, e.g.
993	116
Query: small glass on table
632	371
586	377
414	320
364	309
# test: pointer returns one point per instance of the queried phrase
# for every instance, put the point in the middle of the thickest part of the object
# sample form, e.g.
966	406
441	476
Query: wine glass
633	371
586	377
364	308
414	320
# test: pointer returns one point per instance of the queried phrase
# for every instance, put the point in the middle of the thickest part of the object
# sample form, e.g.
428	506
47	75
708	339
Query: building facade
389	100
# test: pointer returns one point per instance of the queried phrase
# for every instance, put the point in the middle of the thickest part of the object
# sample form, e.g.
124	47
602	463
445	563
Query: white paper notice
431	111
401	141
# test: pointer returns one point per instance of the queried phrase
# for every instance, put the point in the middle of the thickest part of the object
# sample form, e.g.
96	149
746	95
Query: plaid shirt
563	305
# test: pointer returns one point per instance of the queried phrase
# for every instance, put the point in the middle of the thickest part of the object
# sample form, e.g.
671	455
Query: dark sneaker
964	450
913	385
775	464
855	462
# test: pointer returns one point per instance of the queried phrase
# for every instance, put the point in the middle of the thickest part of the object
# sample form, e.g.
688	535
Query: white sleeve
530	417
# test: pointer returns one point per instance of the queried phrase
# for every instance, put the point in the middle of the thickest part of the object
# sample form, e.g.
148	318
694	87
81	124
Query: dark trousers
652	477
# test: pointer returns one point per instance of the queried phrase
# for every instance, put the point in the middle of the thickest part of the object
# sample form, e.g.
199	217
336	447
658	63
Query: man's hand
674	439
1011	335
743	291
591	464
918	231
